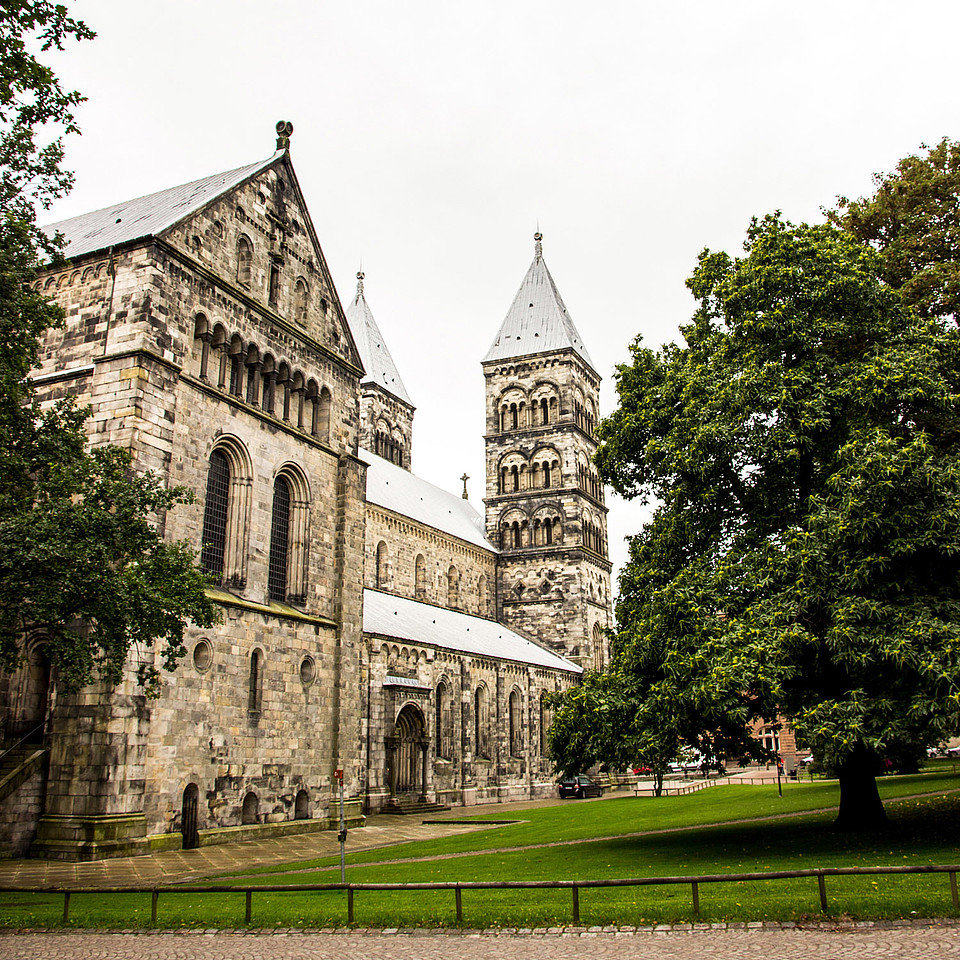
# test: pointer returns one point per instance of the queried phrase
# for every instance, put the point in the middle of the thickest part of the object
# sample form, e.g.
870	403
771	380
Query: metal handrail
27	735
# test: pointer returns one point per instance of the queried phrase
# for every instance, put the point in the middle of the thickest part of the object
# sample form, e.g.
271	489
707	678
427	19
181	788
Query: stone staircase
410	806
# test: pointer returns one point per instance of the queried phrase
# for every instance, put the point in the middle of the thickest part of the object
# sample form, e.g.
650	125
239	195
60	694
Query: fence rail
575	886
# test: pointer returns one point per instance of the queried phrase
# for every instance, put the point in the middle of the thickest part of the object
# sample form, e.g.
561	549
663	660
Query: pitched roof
390	616
377	362
538	321
150	215
402	492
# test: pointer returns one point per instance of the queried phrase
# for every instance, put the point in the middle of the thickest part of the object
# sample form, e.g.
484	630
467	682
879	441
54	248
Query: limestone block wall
233	729
405	541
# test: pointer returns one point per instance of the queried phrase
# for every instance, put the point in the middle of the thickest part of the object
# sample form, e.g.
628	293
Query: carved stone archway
408	754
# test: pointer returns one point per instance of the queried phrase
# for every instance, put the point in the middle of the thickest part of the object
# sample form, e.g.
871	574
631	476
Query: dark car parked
579	786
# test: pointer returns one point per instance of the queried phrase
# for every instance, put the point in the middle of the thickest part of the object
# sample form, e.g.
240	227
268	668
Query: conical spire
538	321
377	362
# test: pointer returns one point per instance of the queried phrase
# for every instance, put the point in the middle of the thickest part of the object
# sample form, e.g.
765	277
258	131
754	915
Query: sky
433	137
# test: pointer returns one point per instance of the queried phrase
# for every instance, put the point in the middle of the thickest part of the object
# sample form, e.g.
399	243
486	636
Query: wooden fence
574	886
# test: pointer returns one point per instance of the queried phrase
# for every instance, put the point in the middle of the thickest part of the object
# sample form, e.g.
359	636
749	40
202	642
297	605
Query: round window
308	671
202	655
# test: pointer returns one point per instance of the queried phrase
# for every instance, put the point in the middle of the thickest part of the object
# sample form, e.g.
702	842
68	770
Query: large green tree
913	220
83	565
802	447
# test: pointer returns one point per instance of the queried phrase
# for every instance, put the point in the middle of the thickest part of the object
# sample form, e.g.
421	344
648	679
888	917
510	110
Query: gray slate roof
377	362
538	321
150	215
390	616
399	490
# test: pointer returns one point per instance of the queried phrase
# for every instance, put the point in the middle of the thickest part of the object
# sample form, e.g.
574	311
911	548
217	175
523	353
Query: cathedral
375	627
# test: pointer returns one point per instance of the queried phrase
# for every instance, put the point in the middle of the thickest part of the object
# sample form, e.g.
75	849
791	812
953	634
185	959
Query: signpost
342	835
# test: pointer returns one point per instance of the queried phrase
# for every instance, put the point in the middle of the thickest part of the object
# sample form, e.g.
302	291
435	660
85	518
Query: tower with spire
545	506
386	412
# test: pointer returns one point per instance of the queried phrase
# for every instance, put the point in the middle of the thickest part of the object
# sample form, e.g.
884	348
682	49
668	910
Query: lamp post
342	835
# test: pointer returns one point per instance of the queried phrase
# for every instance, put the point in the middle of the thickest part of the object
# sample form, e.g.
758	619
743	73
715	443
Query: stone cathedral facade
372	622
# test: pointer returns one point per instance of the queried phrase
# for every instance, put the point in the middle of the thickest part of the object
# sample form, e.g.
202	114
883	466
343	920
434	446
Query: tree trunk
860	806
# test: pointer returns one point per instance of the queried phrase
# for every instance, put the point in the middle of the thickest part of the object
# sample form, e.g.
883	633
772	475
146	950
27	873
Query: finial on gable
538	247
284	132
360	276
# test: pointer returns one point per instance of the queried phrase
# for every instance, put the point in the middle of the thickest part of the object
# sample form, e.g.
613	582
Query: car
579	786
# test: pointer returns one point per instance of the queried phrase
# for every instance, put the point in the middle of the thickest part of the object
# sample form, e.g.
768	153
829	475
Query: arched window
481	722
244	261
598	657
225	515
382	561
420	577
443	726
453	587
274	288
279	540
515	530
516	725
482	595
255	687
544	726
215	512
300	300
544	412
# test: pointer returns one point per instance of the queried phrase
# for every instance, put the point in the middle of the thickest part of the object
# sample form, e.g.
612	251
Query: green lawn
921	831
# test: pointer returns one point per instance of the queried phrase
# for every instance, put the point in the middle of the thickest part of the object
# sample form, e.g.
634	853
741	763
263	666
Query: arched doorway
34	696
410	743
189	827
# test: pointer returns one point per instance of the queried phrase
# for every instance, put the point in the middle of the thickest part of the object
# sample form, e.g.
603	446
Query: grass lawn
921	831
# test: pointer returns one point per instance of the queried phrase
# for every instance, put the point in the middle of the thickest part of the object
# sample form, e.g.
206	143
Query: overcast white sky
432	136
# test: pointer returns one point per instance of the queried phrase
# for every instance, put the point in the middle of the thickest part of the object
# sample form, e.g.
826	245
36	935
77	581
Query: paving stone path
759	942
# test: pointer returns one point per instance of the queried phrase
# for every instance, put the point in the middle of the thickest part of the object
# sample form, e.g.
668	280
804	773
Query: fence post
66	906
821	883
154	897
460	903
248	912
576	903
696	898
349	904
953	890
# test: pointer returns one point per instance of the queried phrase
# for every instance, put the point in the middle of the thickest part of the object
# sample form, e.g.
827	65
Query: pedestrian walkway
185	865
850	941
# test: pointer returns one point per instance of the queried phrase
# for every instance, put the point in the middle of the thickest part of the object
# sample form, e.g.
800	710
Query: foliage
803	559
913	220
83	565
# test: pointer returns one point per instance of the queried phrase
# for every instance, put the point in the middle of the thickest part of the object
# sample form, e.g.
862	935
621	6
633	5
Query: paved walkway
816	942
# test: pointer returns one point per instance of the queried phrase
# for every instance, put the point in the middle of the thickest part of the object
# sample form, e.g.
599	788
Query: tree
913	220
83	565
804	555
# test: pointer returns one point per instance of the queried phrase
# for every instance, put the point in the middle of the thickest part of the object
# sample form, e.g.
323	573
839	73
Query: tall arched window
598	657
480	722
215	515
255	688
300	300
244	261
443	721
420	577
279	540
544	726
453	587
482	595
516	725
381	572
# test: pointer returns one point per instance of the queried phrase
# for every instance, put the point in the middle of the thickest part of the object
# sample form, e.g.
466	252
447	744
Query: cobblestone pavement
819	942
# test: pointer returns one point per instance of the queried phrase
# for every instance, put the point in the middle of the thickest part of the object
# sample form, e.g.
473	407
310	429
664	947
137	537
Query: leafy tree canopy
913	220
83	565
803	559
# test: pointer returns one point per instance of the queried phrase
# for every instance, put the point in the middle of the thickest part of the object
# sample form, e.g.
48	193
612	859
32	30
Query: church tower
544	501
386	413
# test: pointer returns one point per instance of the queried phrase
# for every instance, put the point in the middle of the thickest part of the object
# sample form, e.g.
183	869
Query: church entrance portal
407	752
